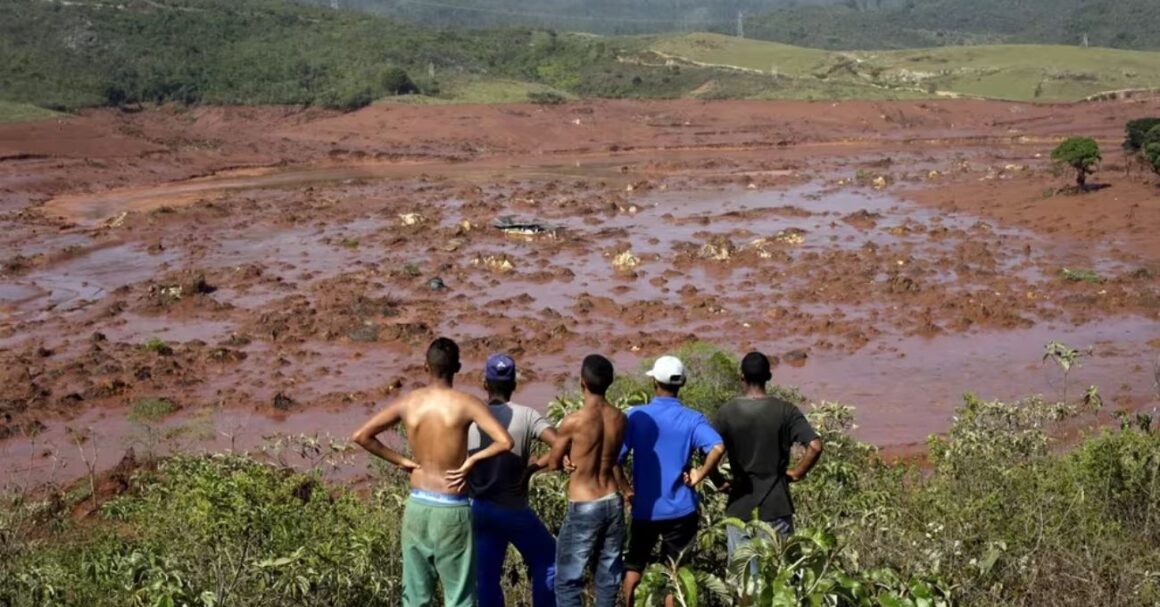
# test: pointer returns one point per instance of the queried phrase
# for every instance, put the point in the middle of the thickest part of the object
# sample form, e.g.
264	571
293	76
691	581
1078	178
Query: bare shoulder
570	422
470	405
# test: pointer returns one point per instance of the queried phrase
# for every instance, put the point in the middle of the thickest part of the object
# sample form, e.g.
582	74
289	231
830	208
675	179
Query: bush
1136	133
221	530
546	98
1151	148
1079	153
395	81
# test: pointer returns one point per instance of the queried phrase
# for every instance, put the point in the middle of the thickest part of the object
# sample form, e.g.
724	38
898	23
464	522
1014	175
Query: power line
495	11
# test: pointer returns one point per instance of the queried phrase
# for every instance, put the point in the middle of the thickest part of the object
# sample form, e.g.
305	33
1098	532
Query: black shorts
676	535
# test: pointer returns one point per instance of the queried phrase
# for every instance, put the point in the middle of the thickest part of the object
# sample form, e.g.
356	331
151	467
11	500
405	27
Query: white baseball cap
668	370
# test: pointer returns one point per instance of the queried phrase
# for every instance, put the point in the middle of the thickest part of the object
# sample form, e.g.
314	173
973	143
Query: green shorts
438	546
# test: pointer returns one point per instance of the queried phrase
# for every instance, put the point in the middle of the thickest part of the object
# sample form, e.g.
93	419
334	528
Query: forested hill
831	24
1129	24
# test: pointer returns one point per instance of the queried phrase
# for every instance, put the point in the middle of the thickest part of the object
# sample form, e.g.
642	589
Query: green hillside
1129	24
86	53
17	112
1017	72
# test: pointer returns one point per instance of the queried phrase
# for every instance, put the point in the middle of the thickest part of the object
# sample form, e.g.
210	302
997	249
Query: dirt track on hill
295	262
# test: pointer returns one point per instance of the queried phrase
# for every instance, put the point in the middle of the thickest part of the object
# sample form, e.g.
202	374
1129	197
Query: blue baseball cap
500	367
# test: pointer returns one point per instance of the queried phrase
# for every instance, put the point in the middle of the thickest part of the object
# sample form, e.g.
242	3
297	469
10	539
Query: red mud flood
298	299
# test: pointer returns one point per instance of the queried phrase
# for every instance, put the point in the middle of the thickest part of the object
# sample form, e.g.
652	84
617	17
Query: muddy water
884	295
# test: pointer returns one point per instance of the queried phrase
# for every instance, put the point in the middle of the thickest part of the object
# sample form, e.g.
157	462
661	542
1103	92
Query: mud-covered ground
273	270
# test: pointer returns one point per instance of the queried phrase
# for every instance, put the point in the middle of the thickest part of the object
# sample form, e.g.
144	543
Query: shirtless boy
437	539
591	439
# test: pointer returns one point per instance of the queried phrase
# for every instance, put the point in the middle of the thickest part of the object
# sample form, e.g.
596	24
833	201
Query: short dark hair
755	369
597	373
443	358
500	387
673	389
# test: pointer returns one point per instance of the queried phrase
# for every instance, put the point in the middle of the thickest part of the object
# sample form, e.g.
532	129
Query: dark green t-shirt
758	434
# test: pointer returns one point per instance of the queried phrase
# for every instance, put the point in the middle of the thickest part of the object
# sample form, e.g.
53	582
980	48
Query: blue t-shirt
661	436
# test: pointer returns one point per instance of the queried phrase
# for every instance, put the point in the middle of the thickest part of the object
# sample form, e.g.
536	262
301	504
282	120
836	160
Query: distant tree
1081	154
1136	131
1151	148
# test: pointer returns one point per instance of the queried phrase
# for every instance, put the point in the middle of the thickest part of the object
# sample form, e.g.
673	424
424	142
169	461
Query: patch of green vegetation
23	112
349	243
158	346
1080	275
151	409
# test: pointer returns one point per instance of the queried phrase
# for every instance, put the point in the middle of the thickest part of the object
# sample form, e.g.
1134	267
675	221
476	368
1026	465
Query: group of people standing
471	462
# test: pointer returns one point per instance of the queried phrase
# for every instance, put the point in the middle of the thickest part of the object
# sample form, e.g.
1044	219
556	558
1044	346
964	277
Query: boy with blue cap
499	492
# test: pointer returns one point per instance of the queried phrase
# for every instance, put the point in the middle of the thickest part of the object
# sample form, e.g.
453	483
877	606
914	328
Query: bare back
437	420
595	434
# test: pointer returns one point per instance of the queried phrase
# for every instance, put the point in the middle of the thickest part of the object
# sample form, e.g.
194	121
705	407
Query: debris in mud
899	284
719	248
8	429
283	402
177	286
411	219
791	236
625	261
863	219
436	284
509	224
237	340
368	333
226	355
795	358
496	263
452	245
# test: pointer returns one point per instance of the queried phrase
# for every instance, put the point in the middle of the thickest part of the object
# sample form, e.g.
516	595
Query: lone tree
1081	154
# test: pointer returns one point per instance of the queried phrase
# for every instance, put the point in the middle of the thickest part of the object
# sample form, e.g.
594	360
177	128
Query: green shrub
1151	148
1082	154
222	530
1136	133
546	98
395	81
1080	275
158	346
151	409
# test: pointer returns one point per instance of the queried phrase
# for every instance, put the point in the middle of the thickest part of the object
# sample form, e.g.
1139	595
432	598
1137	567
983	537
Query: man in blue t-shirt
661	437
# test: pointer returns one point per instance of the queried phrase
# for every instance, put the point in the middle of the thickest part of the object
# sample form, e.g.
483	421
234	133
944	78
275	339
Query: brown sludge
282	260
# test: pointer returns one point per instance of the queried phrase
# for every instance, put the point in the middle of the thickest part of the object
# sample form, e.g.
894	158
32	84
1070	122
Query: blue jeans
497	526
735	538
591	528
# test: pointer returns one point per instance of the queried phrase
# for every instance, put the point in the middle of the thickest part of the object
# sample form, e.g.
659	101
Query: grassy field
1024	72
19	112
1015	72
